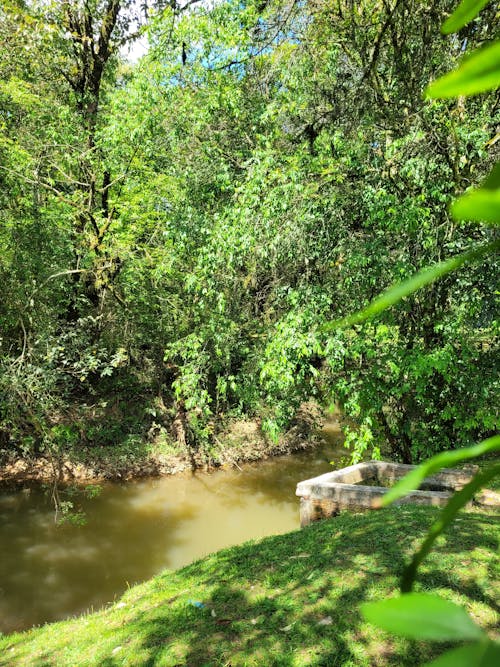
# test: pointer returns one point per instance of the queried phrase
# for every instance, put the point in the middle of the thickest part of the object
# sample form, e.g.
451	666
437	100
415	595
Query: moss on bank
288	600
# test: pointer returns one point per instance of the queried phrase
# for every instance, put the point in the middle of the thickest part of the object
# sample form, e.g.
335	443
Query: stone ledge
357	487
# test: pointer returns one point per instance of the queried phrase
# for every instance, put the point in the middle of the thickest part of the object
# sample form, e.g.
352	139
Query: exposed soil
242	441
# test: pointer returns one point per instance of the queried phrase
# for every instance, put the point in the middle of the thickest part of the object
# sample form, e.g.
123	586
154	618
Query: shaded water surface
136	529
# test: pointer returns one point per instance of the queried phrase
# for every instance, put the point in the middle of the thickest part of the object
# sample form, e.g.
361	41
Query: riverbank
286	600
241	441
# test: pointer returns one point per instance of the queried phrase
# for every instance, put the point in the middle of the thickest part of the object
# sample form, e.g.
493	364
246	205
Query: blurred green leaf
458	500
493	180
463	14
422	616
481	205
476	74
478	654
407	287
443	460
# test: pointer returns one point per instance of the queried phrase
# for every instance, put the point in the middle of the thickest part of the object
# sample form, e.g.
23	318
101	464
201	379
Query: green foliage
417	615
427	359
401	290
463	14
477	73
422	616
429	617
194	235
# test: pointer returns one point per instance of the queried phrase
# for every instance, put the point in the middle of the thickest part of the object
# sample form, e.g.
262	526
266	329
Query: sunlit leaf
458	500
481	205
443	460
479	654
422	616
463	14
476	74
407	287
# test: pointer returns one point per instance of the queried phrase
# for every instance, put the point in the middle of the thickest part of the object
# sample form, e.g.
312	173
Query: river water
137	529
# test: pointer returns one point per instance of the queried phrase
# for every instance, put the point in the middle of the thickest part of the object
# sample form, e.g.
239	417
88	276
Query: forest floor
286	601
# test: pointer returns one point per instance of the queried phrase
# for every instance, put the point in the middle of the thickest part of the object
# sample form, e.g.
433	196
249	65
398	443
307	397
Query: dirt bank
241	441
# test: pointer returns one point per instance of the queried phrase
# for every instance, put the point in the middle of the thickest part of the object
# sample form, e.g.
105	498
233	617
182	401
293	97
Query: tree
204	215
62	191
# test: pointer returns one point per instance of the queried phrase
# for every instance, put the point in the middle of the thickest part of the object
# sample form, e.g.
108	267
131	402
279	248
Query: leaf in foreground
421	279
422	616
457	501
476	74
443	460
463	14
482	204
479	654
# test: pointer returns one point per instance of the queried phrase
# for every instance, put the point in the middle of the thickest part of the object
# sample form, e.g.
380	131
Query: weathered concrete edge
328	494
393	471
352	494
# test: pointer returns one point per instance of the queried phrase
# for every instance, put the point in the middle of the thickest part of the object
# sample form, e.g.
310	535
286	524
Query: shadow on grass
294	599
289	606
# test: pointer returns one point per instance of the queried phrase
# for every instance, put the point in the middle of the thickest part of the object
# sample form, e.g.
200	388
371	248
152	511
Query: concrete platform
359	486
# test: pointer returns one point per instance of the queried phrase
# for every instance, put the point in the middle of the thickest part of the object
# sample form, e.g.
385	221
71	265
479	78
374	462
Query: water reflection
134	531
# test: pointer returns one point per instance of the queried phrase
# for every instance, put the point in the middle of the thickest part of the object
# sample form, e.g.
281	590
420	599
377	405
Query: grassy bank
287	600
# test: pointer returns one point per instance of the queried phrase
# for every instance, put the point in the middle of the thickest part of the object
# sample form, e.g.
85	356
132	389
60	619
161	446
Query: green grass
285	601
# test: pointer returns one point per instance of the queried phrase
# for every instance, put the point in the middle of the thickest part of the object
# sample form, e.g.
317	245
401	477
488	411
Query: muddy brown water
137	529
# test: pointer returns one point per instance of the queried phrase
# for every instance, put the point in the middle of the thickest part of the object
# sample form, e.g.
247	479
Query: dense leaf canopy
181	229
